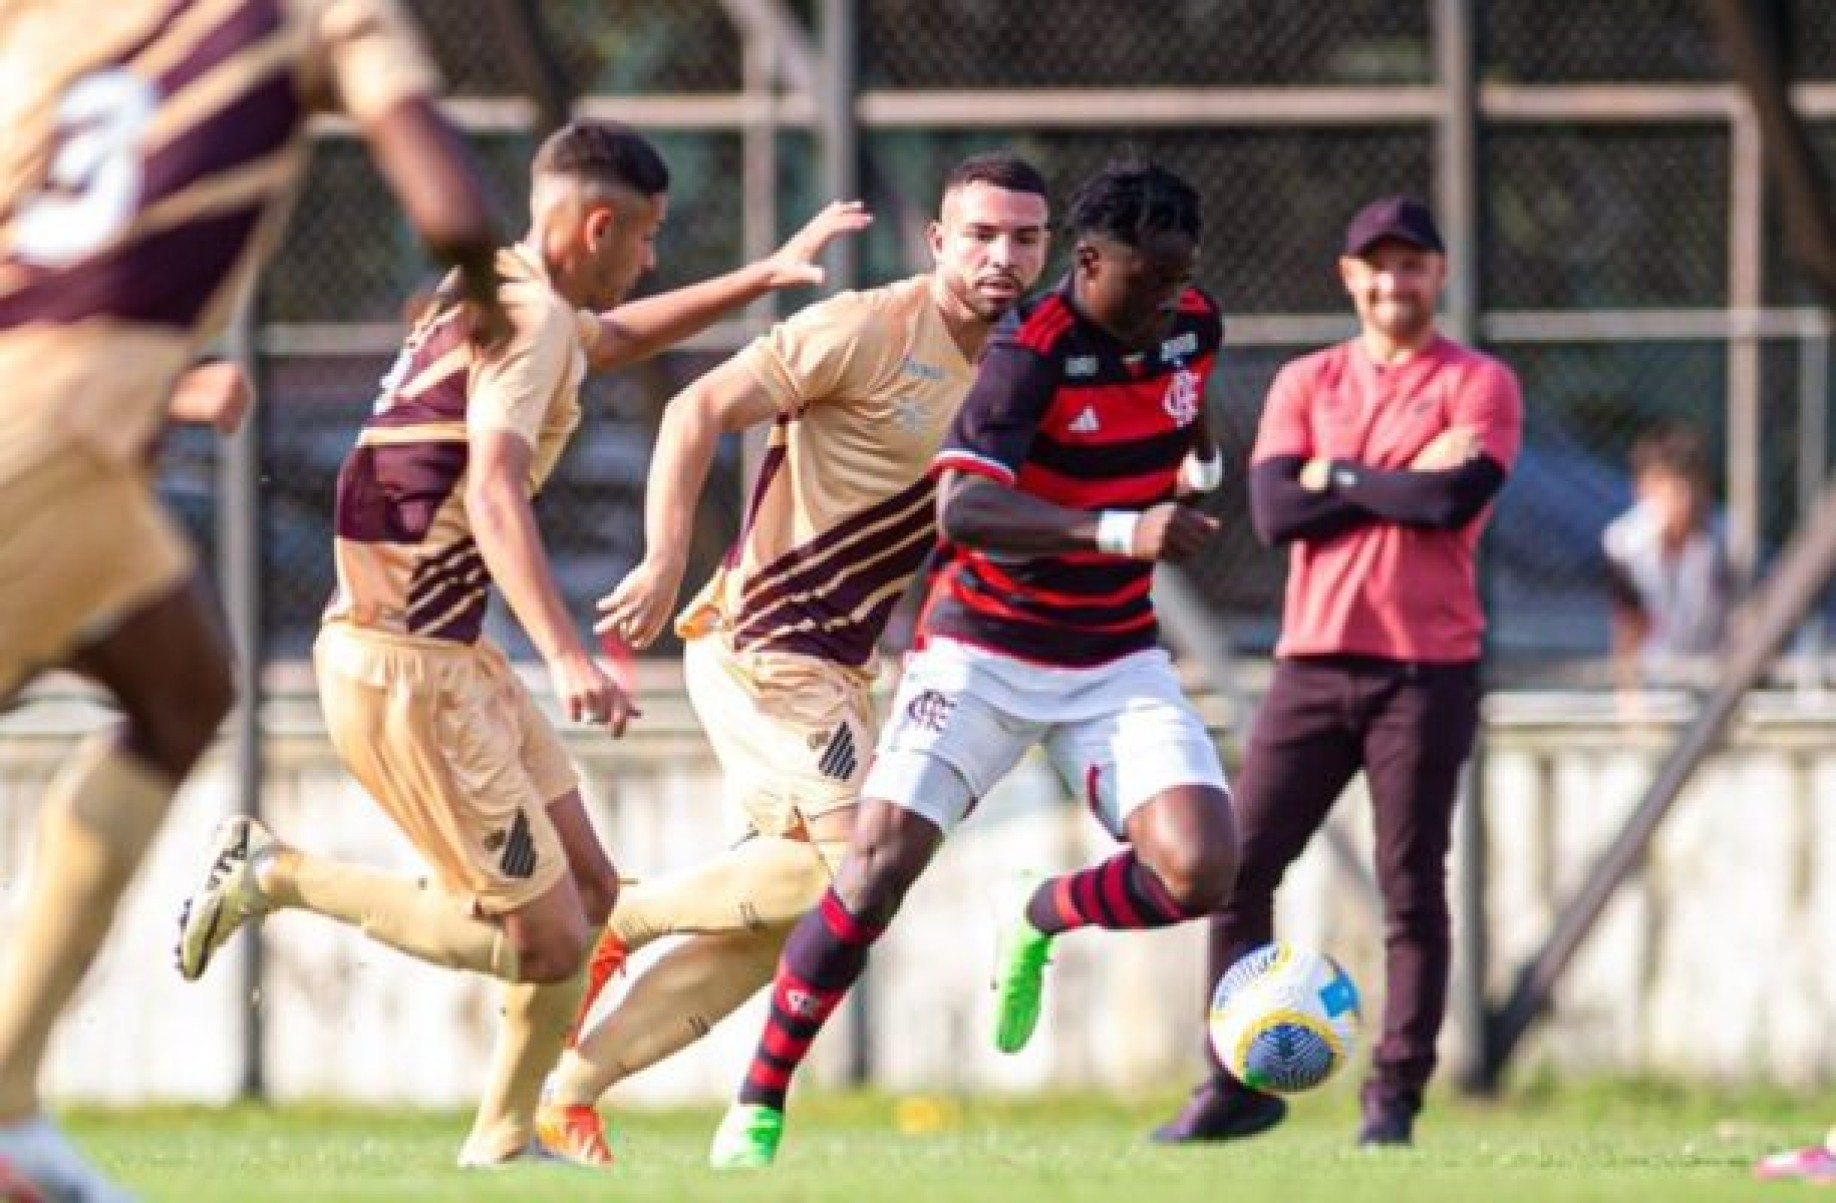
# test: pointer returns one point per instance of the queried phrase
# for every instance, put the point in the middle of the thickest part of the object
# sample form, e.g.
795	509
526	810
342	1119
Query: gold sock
536	1021
408	914
99	814
671	1005
765	882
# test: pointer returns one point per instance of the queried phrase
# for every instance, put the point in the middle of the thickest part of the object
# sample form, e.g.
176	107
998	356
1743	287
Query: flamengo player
1058	488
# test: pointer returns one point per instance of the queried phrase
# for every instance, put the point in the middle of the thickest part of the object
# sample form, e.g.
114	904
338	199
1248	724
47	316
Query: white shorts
1118	734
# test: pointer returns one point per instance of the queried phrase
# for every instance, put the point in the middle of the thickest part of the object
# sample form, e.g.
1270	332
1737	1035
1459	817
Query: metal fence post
238	534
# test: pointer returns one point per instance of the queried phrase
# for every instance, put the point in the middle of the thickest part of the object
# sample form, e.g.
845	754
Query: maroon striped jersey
1061	410
151	151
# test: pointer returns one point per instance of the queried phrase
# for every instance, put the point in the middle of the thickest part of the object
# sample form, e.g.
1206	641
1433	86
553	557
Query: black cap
1397	217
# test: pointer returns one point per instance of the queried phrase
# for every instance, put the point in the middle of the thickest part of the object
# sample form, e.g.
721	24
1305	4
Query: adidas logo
1086	422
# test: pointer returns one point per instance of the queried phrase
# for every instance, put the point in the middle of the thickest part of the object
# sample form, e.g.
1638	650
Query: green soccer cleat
747	1138
1021	956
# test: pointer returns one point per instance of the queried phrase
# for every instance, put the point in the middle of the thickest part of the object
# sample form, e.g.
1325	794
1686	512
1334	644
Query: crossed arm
1444	488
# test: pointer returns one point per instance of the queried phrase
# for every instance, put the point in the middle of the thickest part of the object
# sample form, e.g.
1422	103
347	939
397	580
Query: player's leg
823	957
1148	770
538	1018
434	738
1420	734
674	1002
87	550
1302	752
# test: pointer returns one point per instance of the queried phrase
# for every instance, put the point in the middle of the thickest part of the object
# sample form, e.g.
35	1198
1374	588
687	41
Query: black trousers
1410	727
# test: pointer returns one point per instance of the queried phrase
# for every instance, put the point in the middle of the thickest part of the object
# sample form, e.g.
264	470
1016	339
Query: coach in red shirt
1376	463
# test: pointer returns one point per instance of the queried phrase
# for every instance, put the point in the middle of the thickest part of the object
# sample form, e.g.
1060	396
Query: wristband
1202	475
1115	532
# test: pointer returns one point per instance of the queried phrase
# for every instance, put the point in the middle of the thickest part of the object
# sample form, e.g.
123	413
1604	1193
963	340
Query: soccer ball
1284	1018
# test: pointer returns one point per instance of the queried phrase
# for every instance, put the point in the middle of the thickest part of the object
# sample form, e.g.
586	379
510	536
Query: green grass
1623	1143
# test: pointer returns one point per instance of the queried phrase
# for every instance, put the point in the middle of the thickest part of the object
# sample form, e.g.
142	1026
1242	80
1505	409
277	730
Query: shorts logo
519	855
840	759
930	710
1181	402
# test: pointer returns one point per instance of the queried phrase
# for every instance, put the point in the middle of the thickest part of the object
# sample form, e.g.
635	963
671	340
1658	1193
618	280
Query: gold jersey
152	148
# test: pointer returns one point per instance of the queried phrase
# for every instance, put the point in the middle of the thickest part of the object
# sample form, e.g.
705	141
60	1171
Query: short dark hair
999	168
1676	448
1128	200
606	154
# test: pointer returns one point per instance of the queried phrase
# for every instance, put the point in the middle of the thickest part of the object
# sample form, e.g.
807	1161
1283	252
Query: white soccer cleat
38	1165
229	897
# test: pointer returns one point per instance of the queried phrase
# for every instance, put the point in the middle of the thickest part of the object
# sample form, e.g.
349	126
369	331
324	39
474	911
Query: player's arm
366	59
980	512
639	329
216	392
504	526
728	399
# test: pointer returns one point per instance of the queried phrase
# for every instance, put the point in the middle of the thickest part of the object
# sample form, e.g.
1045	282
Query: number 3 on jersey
91	190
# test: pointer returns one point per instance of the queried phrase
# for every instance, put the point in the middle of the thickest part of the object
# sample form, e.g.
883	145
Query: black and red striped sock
825	953
1121	894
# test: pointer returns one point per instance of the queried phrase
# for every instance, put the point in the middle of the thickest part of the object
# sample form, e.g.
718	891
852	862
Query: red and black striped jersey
1061	410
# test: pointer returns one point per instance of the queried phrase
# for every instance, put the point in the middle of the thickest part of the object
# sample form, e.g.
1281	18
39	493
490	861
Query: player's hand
795	262
588	694
1452	448
1172	532
216	394
639	605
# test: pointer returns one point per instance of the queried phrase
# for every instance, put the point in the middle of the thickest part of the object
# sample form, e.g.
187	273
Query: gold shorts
452	747
84	544
793	734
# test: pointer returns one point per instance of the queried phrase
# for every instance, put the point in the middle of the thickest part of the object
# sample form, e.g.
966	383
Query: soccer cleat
1386	1128
747	1138
1222	1110
37	1165
1815	1165
574	1133
1022	953
229	897
607	961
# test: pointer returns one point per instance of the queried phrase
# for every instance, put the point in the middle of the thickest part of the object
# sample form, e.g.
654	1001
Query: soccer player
1059	479
779	657
150	154
1377	459
434	507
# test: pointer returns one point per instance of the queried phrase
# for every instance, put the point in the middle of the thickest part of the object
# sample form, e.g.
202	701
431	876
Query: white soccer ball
1284	1018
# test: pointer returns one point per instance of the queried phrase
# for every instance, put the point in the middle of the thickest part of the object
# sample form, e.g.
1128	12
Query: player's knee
1199	879
553	954
175	735
598	895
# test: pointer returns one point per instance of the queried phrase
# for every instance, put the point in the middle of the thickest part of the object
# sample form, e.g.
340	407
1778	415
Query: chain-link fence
1627	265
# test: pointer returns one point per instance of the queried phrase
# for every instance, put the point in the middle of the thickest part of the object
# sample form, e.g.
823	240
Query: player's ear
1085	255
600	221
934	237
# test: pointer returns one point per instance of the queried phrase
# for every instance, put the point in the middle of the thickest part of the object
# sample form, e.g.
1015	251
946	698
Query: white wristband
1202	475
1115	532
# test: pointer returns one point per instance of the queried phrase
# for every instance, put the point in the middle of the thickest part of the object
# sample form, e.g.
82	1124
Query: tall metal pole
1457	206
839	130
239	573
839	127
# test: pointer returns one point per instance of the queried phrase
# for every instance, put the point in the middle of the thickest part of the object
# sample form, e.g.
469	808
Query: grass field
1621	1143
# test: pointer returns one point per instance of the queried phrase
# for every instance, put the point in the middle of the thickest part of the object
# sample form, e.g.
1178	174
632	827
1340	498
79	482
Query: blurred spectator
1669	578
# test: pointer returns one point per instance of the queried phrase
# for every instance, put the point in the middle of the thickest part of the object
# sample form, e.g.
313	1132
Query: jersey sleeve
1492	404
512	389
993	430
1284	430
368	58
831	349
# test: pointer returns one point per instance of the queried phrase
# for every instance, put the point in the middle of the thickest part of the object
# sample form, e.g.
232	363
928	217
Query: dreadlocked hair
1129	200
